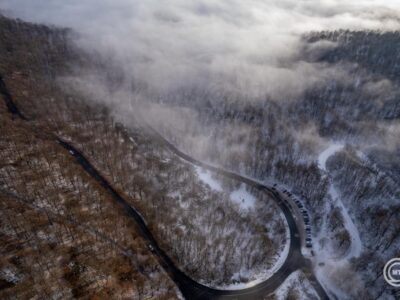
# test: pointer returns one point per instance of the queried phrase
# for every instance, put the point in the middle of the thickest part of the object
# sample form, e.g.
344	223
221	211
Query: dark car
308	245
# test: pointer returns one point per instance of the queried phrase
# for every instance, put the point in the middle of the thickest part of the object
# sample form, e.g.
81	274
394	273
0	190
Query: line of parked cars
306	217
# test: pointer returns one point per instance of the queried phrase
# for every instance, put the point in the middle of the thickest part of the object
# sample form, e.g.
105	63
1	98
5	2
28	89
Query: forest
335	147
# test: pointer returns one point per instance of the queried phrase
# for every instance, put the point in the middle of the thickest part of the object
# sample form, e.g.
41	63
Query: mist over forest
300	97
247	53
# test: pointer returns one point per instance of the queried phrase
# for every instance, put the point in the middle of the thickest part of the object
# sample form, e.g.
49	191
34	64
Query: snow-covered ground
356	244
243	198
240	196
207	178
298	283
246	202
326	261
265	274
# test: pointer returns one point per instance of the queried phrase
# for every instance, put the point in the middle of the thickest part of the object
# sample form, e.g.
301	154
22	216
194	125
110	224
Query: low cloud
246	47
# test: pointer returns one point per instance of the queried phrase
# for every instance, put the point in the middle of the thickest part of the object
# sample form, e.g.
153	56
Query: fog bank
247	47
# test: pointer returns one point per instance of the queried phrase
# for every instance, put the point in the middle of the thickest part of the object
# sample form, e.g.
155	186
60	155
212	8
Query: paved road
295	259
190	288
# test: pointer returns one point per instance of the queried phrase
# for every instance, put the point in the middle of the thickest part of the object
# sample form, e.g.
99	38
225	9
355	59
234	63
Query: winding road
191	289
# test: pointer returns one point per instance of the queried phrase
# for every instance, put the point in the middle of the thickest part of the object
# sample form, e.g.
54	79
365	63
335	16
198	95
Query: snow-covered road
356	244
325	260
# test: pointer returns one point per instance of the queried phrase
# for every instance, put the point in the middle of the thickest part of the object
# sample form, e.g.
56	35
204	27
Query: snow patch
297	282
242	197
207	178
339	279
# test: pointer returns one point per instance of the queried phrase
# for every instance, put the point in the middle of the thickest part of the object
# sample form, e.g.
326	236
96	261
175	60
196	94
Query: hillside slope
196	225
